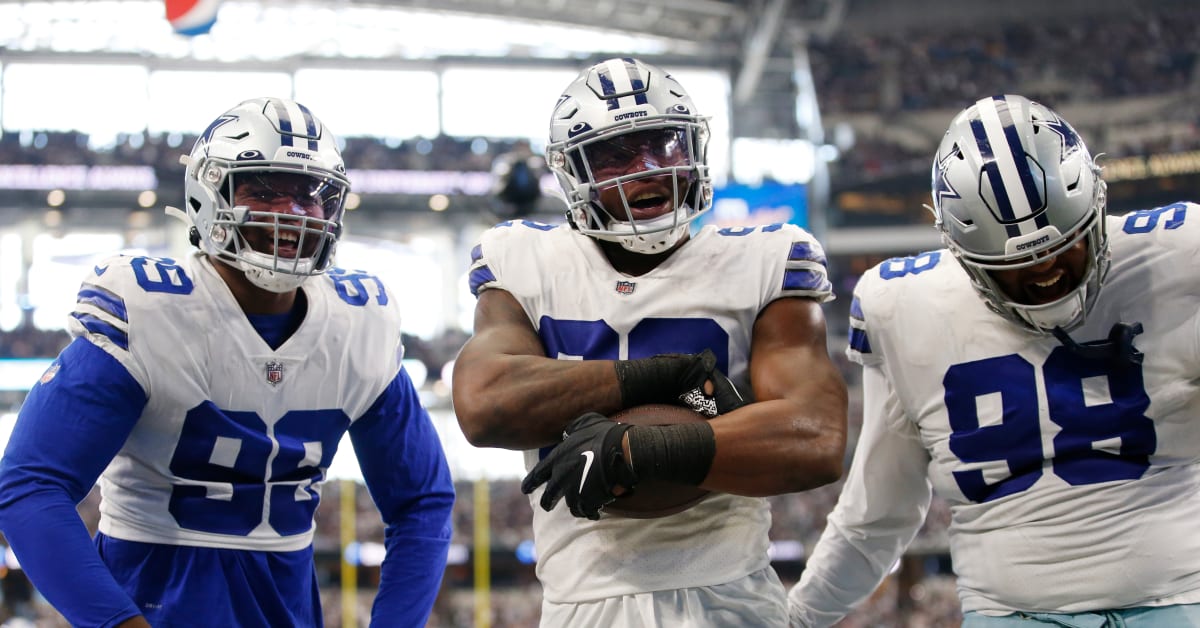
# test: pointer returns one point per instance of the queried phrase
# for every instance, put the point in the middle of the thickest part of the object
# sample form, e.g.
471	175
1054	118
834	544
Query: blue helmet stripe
992	170
285	123
1018	152
607	86
310	124
635	80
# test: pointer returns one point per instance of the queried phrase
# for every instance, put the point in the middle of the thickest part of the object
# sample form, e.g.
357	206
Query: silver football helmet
1013	186
623	121
254	143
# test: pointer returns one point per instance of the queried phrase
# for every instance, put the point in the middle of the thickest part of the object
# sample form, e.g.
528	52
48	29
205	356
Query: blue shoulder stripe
804	251
859	340
97	326
102	298
804	279
477	253
856	311
480	277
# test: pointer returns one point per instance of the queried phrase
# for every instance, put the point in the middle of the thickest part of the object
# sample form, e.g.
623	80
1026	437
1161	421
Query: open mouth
1049	288
285	244
649	204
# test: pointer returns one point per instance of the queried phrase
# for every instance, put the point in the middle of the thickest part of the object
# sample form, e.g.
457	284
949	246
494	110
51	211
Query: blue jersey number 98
1098	406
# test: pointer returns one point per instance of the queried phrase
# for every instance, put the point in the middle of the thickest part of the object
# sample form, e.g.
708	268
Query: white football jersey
1072	481
706	295
235	437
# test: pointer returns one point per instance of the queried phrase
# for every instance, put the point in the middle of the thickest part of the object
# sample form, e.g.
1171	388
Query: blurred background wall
825	113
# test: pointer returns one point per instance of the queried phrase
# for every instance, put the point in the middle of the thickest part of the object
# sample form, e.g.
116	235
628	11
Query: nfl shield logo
625	287
274	373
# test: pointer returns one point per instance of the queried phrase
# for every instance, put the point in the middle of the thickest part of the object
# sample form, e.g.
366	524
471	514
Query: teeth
1047	283
645	195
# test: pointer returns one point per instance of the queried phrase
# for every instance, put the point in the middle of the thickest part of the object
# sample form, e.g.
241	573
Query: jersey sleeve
406	472
74	421
103	308
487	257
879	512
860	349
805	271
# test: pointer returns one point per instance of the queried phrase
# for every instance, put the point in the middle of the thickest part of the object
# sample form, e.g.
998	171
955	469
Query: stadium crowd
888	73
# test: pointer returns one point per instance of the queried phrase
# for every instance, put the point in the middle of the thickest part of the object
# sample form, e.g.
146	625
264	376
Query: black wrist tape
681	453
647	380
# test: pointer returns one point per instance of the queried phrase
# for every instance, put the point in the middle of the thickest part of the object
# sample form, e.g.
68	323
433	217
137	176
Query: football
653	498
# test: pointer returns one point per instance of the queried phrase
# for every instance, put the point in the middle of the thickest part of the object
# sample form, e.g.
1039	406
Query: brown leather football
653	498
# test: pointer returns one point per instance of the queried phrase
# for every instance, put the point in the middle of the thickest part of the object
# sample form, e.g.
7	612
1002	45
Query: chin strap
1118	346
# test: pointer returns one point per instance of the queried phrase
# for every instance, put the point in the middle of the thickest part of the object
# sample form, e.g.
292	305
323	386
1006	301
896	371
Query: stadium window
410	101
178	99
501	102
59	263
101	101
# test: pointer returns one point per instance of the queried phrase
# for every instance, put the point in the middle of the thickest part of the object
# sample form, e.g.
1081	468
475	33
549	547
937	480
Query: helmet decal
310	129
208	133
619	78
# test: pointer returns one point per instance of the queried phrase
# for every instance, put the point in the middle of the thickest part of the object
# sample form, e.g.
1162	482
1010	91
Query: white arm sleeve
880	510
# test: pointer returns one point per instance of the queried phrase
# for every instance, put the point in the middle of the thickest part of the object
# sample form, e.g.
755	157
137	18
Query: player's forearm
524	401
776	447
56	552
409	579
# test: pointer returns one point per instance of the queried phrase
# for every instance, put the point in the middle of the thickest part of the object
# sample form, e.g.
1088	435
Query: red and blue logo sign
192	17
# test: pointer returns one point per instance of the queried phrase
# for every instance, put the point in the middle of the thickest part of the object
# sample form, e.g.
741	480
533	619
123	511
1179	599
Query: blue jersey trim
480	277
859	340
798	279
105	300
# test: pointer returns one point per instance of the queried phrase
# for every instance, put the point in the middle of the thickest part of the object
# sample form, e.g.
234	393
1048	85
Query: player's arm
405	469
507	393
793	437
69	428
880	510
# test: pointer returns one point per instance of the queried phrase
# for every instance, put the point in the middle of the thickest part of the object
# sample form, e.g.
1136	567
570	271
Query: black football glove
678	377
584	468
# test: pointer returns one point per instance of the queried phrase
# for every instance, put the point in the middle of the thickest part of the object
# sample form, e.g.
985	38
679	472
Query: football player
1040	373
209	396
623	306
